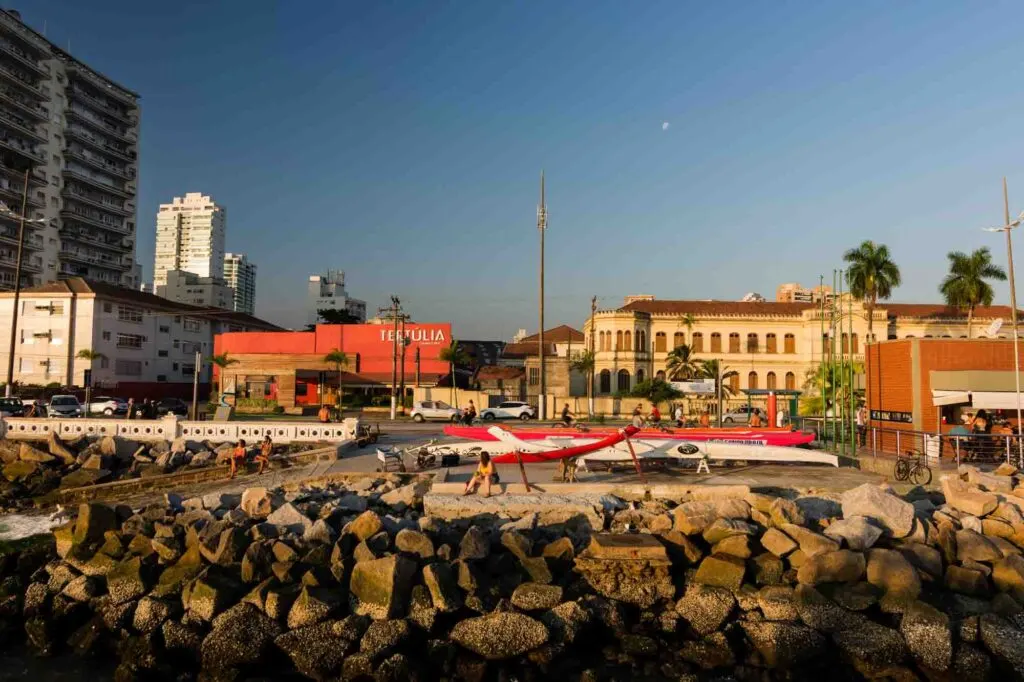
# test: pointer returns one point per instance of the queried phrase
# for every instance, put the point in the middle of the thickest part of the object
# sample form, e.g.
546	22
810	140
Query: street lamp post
1008	228
20	217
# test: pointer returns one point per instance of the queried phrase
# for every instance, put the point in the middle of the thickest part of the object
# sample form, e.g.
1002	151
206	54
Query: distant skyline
691	150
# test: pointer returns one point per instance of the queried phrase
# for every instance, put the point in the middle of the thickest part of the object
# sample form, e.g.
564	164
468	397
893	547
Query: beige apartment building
771	345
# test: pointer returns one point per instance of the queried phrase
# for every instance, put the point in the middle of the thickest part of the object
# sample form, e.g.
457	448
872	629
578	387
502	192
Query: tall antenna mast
542	226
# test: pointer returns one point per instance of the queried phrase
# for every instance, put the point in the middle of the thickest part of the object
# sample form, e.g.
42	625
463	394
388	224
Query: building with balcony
187	287
793	292
68	150
240	275
769	345
190	235
327	291
147	344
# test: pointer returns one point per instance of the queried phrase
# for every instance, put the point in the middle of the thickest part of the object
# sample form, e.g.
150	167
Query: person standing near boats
638	416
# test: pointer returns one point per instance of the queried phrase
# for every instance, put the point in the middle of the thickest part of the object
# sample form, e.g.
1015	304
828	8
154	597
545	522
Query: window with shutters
752	343
660	342
734	343
789	342
769	381
697	343
770	344
716	342
752	380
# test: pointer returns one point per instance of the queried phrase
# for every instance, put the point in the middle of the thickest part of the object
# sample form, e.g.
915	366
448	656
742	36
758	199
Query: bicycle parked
911	467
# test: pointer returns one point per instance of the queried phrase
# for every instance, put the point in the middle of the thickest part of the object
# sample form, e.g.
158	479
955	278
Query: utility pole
542	225
1013	317
824	402
593	357
195	386
417	366
394	311
401	383
17	286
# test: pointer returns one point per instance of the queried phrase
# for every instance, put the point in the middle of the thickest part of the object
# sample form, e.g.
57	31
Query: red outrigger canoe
553	455
766	436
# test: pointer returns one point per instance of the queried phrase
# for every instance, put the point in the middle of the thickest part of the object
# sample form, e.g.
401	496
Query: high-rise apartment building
190	237
328	291
792	292
68	147
240	275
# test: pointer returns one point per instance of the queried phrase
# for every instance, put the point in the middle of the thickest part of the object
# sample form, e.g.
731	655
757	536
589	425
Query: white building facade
190	234
206	292
141	338
327	291
240	275
75	133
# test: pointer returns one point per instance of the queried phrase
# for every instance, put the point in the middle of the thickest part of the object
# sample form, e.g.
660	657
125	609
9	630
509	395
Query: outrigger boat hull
778	437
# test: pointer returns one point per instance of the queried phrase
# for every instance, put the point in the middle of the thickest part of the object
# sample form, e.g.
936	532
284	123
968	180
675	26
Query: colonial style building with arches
768	344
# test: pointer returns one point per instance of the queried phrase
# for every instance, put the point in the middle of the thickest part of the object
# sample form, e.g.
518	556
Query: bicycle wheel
902	470
920	475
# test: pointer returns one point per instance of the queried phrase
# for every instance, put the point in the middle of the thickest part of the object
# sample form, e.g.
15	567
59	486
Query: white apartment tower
241	277
68	145
190	237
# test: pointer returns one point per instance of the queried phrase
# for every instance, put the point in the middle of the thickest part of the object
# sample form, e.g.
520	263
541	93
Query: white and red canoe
522	450
738	436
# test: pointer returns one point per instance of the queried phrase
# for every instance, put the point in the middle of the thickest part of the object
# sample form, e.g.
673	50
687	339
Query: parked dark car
175	406
12	407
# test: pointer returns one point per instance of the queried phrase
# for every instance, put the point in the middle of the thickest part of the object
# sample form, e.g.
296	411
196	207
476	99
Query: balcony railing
93	240
19	147
12	262
96	260
70	214
92	182
21	57
19	80
32	242
12	197
9	121
107	88
99	164
36	111
101	145
101	105
73	194
87	117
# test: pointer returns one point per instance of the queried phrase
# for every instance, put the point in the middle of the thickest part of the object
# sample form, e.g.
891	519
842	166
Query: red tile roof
718	307
560	334
945	312
499	373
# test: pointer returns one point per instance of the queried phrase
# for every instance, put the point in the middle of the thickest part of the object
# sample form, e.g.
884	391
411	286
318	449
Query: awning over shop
950	397
994	400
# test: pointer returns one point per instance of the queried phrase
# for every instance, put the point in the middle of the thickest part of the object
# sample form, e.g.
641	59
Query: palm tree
965	286
91	356
339	360
688	320
454	354
872	275
682	365
709	370
824	382
222	361
583	362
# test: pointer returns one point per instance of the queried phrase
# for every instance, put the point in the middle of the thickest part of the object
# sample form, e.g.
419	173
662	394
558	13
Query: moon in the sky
664	125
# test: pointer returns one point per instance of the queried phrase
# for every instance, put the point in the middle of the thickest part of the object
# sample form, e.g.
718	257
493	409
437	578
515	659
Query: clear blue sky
402	141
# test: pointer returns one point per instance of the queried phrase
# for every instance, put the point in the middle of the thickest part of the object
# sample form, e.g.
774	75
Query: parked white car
64	406
742	415
108	406
509	410
434	409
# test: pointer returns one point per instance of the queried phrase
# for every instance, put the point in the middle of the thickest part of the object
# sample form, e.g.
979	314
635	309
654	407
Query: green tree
336	316
454	355
682	365
709	370
91	356
871	275
339	360
583	362
965	286
824	382
222	362
656	391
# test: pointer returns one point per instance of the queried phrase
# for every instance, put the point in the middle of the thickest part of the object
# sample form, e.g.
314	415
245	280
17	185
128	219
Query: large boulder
318	651
841	566
871	647
241	636
257	502
821	613
289	519
972	546
380	588
857	532
892	513
1008	574
365	526
928	635
536	597
414	542
891	572
811	543
1005	641
723	528
126	581
705	608
784	645
721	570
967	498
778	543
93	521
27	453
474	544
499	636
444	591
315	604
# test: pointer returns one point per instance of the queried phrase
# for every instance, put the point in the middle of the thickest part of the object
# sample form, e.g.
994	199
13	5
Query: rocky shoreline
353	582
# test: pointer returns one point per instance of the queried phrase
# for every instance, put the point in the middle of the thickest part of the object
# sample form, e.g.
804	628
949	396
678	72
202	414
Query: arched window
789	342
618	340
660	342
623	379
790	381
639	375
769	381
769	344
600	341
752	343
734	383
752	380
678	339
660	376
627	340
606	382
909	336
734	342
697	343
855	348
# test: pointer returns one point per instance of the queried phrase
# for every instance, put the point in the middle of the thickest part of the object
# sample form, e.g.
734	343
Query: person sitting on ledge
484	474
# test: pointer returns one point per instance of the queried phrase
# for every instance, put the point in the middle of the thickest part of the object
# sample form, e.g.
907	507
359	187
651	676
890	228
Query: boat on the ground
739	436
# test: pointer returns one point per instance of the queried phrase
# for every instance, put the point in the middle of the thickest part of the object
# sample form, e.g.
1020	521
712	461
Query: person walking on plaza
567	417
862	424
679	416
237	455
266	450
484	475
780	418
638	416
130	414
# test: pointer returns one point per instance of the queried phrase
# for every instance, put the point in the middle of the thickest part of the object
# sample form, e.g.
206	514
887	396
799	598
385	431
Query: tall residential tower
241	276
190	237
75	133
